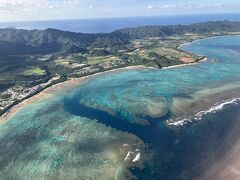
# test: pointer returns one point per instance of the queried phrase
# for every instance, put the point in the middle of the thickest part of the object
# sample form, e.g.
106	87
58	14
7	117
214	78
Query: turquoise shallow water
61	136
132	94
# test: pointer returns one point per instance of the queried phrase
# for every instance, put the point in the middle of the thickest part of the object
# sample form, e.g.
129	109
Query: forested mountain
18	42
199	28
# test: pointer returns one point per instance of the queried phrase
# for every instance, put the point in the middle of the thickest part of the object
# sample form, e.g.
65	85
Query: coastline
66	85
70	83
205	38
188	64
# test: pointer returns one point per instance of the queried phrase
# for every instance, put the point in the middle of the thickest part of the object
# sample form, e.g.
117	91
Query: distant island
32	60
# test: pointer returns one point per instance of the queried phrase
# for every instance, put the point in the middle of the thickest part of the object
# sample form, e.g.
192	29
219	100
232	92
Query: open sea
160	123
110	24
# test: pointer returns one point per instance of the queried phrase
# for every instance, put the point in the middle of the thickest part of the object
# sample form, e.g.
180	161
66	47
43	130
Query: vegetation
199	28
34	71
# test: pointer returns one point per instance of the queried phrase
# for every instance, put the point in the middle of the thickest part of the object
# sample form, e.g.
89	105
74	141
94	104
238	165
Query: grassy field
100	59
34	71
154	48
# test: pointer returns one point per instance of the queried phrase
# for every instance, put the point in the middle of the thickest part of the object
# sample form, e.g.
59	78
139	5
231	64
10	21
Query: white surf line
217	107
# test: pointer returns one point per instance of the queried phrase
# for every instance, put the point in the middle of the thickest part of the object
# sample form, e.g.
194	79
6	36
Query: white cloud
189	6
64	9
17	6
109	8
150	7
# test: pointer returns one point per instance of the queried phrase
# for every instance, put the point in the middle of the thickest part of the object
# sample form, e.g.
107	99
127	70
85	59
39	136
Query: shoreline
70	83
48	92
187	64
77	81
206	38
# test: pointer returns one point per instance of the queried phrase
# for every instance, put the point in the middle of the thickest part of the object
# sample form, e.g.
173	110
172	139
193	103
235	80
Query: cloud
150	7
109	8
189	6
11	10
17	6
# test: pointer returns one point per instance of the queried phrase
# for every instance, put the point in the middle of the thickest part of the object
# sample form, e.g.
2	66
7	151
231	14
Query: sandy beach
189	64
71	83
66	85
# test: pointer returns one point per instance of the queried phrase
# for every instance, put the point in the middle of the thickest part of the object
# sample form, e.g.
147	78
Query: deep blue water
77	128
111	24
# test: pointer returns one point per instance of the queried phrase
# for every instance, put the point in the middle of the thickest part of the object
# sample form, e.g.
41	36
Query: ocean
106	25
157	123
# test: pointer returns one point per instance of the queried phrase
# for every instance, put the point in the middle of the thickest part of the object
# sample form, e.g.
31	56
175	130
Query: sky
30	10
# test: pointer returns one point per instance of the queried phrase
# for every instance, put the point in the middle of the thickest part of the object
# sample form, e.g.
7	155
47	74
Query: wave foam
217	107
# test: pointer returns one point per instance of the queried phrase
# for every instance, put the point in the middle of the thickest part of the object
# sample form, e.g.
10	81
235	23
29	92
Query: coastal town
18	93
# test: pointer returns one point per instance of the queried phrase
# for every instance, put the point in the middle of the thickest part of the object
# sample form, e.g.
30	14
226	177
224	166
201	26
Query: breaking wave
217	107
